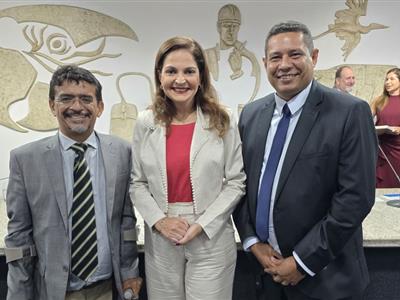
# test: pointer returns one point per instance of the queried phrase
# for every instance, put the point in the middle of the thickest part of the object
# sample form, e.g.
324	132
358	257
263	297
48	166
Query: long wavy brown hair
380	102
205	98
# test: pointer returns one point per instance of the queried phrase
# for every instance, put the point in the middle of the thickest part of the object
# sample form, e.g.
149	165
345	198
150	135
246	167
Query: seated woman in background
386	110
187	179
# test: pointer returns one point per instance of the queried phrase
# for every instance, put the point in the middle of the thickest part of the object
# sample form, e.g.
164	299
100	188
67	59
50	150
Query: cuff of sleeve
132	272
154	219
207	231
250	241
301	267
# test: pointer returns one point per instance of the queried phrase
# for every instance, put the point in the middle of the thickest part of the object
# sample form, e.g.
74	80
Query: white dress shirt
296	107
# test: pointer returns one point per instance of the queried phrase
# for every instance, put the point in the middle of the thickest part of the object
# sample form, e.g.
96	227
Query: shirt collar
296	103
67	142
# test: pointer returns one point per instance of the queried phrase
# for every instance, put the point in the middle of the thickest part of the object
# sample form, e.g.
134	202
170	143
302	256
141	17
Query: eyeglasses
70	99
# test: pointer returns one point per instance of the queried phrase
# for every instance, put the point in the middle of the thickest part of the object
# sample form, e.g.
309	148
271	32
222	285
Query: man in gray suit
71	231
309	156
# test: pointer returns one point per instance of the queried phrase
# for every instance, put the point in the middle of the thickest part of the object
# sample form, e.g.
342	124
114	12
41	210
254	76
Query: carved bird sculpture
56	35
347	26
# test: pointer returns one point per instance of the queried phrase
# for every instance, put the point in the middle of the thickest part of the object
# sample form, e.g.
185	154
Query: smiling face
289	63
346	80
180	78
76	108
392	84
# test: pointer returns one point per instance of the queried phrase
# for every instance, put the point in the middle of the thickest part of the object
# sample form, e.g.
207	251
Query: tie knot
79	148
286	111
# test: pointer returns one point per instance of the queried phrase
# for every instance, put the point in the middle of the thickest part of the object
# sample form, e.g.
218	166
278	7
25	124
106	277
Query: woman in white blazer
187	179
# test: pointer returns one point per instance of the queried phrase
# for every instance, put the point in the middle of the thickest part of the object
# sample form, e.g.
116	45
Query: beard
349	89
77	127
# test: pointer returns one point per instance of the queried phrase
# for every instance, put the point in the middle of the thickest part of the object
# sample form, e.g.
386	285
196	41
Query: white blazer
216	172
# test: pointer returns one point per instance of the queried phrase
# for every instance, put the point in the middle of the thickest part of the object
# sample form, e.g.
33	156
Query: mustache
71	113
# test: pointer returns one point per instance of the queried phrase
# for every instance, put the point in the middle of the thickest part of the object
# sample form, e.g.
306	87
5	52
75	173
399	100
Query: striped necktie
84	259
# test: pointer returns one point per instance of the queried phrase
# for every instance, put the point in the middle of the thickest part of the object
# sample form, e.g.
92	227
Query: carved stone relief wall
369	79
124	114
56	34
103	37
228	25
347	26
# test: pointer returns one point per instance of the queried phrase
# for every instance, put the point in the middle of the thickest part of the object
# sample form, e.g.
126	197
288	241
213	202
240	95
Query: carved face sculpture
229	33
57	35
228	25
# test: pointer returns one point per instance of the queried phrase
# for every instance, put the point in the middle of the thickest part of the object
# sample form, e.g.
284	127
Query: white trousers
203	269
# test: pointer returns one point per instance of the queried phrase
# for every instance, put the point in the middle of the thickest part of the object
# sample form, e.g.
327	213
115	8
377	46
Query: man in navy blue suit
302	226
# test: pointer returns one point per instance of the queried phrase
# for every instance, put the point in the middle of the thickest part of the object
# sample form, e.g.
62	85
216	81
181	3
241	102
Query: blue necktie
264	195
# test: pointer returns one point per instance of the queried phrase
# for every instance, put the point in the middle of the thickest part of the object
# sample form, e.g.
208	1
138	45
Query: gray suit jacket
325	189
37	211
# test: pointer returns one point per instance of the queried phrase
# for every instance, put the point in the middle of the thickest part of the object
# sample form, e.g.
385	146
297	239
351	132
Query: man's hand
134	284
264	254
284	271
193	231
173	228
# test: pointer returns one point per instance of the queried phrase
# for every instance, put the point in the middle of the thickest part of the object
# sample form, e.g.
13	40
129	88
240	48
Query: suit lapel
260	138
157	142
54	165
306	122
201	135
110	170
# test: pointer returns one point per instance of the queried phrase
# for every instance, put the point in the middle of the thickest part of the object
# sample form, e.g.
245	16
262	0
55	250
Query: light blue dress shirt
97	172
296	107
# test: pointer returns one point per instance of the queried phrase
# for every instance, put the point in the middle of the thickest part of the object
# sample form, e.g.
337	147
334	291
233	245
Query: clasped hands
283	270
178	230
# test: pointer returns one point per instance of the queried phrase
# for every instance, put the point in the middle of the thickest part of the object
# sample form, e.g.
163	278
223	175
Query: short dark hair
338	73
291	26
75	74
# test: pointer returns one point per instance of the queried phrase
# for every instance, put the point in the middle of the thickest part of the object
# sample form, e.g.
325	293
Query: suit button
65	269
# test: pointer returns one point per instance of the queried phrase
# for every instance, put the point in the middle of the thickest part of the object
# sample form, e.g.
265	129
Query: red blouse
178	163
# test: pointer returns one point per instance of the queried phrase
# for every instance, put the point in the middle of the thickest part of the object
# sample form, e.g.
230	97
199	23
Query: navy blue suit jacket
325	190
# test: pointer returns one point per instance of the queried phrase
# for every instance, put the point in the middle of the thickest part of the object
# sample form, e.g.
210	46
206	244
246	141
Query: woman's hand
173	228
395	130
193	231
385	129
